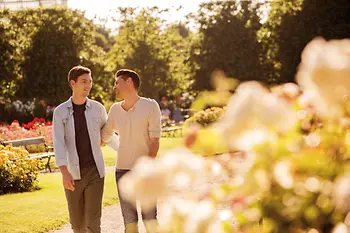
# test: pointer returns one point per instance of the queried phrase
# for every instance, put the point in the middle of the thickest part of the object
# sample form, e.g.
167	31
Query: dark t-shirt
82	138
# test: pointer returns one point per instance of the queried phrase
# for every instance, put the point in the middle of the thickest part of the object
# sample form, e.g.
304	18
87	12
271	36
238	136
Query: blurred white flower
341	228
216	169
146	182
183	167
313	140
324	74
252	137
313	184
175	210
225	215
283	174
151	178
200	217
287	91
305	100
255	110
215	227
341	193
302	114
191	216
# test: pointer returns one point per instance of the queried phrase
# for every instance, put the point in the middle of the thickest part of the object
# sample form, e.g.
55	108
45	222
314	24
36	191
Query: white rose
324	73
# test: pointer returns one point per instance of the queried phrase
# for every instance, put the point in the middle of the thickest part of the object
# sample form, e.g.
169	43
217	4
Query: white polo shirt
134	127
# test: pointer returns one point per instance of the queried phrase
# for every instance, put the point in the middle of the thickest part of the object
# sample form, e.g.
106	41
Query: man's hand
102	143
68	181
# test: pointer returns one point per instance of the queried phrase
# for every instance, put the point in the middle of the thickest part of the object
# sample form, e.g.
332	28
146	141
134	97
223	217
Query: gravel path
112	221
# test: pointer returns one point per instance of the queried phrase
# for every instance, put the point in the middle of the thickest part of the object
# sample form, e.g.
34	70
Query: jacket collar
70	103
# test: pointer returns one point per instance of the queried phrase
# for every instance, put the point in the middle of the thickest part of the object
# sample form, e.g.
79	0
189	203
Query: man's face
83	85
121	86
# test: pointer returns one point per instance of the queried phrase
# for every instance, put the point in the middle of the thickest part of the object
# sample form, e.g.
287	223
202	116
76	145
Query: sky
106	8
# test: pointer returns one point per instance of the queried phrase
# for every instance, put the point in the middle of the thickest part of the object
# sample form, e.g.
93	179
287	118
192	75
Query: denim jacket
64	135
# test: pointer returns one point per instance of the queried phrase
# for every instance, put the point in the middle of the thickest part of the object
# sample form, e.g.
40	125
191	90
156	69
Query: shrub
18	173
206	117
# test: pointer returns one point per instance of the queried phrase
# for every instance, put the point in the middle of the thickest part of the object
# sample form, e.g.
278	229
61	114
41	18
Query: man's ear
131	83
71	83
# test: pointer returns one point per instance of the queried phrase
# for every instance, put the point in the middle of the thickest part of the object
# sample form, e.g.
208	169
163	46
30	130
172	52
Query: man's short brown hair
77	71
126	73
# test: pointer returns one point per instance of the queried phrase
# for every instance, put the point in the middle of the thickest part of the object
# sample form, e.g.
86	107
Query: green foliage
156	51
227	41
9	59
268	36
50	41
297	189
39	46
18	173
295	181
43	65
293	24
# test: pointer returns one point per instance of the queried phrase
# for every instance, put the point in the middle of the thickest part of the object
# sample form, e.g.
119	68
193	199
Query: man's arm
108	128
113	140
154	128
103	116
153	147
68	181
61	150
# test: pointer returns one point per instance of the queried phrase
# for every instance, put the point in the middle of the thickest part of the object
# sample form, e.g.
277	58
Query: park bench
47	154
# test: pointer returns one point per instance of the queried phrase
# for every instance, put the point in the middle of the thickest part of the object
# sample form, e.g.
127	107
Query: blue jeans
129	210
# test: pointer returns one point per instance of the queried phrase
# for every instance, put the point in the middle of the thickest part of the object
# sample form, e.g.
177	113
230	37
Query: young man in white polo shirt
137	120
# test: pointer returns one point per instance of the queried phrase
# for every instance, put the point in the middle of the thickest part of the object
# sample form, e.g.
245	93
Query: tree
39	46
227	41
155	50
291	25
9	59
49	42
177	40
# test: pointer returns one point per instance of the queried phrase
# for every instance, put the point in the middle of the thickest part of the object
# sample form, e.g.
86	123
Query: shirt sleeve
108	128
154	122
59	140
103	116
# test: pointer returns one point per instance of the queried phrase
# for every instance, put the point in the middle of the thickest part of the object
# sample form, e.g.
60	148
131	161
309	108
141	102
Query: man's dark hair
126	73
77	71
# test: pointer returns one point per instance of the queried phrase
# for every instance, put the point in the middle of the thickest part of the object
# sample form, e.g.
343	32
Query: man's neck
78	100
130	101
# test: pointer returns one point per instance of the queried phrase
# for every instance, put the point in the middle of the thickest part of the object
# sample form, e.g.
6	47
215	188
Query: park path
112	220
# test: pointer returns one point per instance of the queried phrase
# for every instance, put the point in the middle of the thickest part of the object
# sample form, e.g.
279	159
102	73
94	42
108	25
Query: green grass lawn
46	209
110	155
